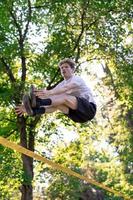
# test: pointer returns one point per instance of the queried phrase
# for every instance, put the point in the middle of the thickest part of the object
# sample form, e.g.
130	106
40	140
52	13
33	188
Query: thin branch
53	79
10	133
22	38
8	70
23	58
16	25
8	120
82	29
20	41
28	21
83	26
108	71
41	6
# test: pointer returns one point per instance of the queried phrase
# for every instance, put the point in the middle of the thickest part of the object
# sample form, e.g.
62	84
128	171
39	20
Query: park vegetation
34	36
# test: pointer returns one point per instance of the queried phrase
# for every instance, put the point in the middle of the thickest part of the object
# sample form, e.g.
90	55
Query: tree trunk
26	189
27	141
27	193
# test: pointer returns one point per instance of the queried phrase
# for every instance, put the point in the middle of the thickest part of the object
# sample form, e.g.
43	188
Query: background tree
86	31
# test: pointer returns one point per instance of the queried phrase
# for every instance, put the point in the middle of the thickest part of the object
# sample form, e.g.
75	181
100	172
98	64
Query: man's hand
42	94
20	110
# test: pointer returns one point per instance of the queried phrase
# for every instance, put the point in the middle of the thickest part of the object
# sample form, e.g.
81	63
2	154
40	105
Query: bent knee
69	98
71	101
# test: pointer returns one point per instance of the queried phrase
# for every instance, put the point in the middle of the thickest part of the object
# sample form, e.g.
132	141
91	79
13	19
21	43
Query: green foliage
10	173
86	31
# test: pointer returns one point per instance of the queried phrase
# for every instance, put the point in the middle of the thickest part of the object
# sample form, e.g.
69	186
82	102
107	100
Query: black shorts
85	112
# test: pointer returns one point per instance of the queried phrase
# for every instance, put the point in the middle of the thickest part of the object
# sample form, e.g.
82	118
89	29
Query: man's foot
32	96
27	104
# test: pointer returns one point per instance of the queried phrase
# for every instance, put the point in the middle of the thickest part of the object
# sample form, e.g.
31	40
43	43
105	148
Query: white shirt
81	89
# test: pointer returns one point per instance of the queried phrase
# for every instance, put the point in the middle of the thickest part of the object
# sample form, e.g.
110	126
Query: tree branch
77	43
22	37
40	6
28	20
10	133
108	71
16	25
82	28
8	70
52	80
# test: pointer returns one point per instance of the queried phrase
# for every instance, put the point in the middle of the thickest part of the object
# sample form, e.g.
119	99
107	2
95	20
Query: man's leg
51	109
62	108
57	100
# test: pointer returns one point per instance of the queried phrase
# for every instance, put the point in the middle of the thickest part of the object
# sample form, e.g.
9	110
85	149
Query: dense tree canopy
34	37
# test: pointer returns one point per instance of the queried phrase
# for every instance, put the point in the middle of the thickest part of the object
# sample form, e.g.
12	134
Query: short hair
68	61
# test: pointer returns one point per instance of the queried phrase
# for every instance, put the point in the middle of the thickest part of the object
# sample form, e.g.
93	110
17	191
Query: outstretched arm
67	89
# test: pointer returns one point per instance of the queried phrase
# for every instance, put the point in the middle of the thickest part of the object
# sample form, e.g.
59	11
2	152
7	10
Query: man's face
66	70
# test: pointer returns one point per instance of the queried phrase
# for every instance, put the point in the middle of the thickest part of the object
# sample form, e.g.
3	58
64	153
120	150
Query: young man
72	97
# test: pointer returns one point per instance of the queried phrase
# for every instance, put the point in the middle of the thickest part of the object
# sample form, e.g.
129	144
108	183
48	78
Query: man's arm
67	89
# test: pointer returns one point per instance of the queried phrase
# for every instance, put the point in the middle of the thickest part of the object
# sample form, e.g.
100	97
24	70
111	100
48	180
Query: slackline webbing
57	166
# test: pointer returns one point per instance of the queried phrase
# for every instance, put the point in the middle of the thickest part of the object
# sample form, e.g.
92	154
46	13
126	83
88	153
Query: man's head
69	61
67	67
